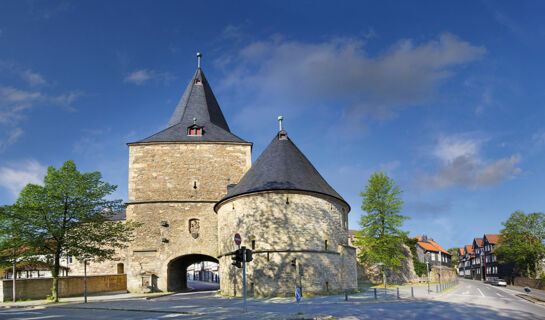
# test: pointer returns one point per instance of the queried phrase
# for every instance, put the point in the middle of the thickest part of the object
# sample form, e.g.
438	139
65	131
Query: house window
432	256
253	244
70	260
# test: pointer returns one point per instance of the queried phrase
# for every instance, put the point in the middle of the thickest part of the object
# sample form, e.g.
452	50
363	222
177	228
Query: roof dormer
194	129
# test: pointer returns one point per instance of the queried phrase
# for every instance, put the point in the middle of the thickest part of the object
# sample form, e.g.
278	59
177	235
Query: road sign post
244	276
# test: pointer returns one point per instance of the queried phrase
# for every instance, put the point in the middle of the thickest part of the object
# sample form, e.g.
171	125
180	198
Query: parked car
500	282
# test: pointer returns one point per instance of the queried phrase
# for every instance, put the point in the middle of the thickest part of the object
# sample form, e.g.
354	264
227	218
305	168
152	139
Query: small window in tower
194	131
325	244
197	81
253	244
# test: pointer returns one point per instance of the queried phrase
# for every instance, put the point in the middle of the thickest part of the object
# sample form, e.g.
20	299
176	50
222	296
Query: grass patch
388	286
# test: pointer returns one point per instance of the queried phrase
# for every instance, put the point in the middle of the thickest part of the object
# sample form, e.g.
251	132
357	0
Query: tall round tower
295	223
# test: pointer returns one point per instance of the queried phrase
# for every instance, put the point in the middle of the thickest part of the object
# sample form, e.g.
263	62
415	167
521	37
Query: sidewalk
535	292
115	296
203	299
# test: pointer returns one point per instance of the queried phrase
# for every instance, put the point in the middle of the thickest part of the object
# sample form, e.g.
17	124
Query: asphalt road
470	300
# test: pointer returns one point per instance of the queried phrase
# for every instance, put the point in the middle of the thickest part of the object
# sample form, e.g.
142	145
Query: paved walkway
469	300
368	296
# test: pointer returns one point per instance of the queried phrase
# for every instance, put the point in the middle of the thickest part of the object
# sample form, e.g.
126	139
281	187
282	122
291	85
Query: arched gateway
175	178
177	270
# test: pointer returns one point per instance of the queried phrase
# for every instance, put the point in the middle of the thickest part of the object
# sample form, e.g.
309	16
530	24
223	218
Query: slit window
253	244
325	244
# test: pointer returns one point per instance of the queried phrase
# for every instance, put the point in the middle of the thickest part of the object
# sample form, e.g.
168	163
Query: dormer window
197	81
194	130
282	135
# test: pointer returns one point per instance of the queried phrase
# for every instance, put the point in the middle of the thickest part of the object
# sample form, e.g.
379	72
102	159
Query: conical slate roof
282	166
198	106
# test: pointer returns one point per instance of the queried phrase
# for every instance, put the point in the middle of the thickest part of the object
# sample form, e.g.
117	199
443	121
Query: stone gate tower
176	176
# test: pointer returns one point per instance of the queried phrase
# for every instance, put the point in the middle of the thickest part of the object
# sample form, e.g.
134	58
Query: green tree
454	256
522	241
381	238
12	248
69	215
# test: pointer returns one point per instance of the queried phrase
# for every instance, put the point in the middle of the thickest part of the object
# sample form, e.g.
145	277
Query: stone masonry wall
163	197
281	233
39	288
76	268
170	171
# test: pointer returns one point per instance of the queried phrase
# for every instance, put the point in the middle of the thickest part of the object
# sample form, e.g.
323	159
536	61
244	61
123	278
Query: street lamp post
383	274
428	269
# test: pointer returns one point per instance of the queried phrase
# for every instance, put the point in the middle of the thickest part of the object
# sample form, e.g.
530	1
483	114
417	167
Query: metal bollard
412	292
345	294
375	292
397	293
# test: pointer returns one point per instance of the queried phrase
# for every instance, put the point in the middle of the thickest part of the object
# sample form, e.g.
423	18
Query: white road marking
482	294
499	294
21	312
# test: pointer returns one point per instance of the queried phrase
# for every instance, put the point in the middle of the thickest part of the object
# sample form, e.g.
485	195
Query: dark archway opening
177	270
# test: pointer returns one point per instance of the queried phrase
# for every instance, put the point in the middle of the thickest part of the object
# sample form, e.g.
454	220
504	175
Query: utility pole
85	281
428	274
13	279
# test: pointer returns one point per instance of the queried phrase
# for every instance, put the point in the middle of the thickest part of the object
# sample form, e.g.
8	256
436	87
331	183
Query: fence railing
410	291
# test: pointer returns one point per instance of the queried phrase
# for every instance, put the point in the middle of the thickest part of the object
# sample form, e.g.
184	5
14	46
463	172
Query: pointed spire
198	103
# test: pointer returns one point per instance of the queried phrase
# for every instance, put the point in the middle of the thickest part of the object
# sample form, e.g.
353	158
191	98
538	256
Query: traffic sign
297	294
238	239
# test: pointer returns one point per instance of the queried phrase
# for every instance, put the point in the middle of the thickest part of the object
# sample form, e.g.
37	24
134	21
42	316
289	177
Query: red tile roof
461	251
492	238
469	249
430	245
439	247
479	241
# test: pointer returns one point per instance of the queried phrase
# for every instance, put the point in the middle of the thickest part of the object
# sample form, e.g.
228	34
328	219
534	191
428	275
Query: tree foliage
454	256
69	215
522	241
381	238
419	267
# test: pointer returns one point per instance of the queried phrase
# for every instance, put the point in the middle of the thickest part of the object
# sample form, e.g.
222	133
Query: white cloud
16	103
142	76
13	102
14	135
281	72
15	177
462	165
33	78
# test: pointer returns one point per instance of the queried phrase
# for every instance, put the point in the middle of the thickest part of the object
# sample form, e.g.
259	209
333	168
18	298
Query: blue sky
446	98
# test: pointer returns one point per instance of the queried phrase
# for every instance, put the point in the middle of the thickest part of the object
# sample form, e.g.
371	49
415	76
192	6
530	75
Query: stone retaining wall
39	288
532	283
447	275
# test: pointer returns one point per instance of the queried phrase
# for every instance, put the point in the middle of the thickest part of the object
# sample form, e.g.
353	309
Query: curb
532	299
